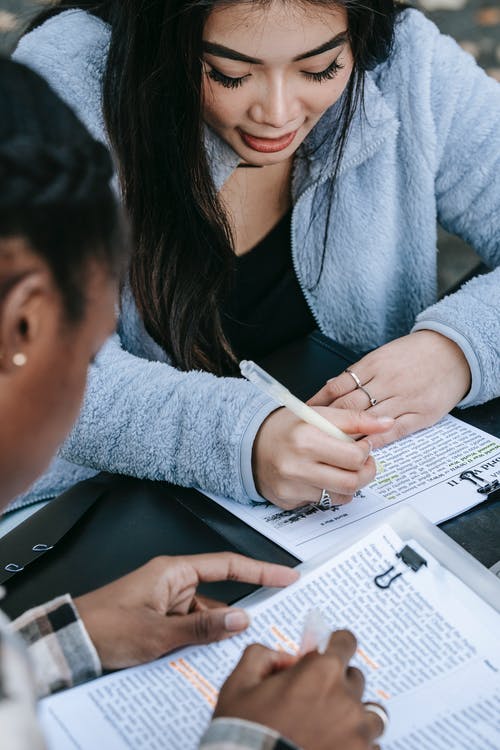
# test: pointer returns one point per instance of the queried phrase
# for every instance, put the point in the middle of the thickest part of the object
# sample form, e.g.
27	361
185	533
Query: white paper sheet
428	646
422	470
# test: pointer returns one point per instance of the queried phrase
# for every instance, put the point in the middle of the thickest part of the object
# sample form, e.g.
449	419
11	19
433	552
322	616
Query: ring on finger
325	501
354	377
382	714
361	387
372	400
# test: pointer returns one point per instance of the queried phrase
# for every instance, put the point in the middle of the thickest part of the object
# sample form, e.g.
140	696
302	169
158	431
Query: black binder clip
490	489
410	558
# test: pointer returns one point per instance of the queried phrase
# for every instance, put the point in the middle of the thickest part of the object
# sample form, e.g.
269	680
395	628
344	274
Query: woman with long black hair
283	166
62	249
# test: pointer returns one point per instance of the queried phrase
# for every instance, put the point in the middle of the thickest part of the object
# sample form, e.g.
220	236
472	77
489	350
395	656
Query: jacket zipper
34	501
294	258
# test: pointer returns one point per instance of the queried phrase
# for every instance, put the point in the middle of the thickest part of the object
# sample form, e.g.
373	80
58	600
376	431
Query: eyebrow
230	54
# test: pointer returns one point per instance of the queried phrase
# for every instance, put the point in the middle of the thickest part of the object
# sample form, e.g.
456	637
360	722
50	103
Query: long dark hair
55	187
183	256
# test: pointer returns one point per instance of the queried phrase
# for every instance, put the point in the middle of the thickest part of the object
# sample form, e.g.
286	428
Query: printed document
428	647
438	471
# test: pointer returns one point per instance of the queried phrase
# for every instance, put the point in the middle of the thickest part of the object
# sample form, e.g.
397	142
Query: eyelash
226	81
325	75
234	83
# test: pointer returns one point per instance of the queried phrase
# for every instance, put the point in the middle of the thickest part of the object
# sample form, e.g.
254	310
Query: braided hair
55	189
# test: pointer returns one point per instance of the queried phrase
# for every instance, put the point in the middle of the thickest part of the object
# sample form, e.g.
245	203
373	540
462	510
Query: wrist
261	451
243	733
90	619
247	452
456	362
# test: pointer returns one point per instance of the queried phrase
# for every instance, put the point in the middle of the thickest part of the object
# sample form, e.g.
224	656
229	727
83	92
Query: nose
275	105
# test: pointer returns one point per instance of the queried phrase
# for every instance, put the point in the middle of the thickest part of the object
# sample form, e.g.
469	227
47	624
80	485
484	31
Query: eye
226	81
324	75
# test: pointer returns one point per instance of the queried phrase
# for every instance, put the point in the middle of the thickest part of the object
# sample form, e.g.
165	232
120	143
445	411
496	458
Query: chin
22	483
9	492
266	160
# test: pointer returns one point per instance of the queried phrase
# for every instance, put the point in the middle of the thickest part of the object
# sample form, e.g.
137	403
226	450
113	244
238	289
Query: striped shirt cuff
59	647
238	734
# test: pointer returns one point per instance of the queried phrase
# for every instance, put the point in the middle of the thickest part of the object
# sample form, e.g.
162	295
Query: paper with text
428	647
422	470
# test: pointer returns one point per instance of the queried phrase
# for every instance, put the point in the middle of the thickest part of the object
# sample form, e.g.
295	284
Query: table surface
134	520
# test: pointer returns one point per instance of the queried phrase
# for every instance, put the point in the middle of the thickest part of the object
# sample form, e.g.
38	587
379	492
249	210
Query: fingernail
236	620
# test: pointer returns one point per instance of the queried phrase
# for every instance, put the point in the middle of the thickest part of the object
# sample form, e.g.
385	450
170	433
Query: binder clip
490	489
410	558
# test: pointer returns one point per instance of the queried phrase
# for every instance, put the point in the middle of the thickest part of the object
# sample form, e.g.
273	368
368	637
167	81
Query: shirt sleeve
237	734
19	729
465	105
59	647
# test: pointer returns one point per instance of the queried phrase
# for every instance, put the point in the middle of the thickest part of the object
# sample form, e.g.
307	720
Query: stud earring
19	359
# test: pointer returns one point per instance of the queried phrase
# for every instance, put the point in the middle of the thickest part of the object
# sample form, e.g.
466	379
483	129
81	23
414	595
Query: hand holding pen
301	452
316	636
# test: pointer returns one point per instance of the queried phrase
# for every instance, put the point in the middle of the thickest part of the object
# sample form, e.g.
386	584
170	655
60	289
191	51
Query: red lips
268	145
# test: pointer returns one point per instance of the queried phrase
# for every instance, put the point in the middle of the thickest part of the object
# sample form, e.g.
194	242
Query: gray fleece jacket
427	149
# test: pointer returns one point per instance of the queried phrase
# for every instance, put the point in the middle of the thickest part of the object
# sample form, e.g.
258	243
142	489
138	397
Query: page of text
438	471
427	646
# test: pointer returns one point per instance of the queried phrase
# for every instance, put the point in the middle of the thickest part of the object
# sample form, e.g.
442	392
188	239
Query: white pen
316	633
282	395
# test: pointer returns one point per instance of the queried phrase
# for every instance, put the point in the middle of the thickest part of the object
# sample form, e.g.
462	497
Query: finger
352	422
304	484
337	499
203	602
309	496
356	681
228	566
329	450
196	605
342	644
375	725
340	481
393	406
293	496
257	663
358	421
333	389
403	426
359	400
203	626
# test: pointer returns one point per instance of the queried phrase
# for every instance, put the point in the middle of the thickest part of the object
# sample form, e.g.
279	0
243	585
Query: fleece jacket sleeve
466	127
150	420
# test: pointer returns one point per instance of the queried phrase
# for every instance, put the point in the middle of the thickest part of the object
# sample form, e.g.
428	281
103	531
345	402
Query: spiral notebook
427	618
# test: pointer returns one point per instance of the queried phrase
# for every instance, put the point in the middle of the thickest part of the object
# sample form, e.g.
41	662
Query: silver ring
354	377
361	387
372	400
325	501
374	708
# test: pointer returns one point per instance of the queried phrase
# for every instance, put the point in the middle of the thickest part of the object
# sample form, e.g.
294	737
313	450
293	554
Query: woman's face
40	400
270	72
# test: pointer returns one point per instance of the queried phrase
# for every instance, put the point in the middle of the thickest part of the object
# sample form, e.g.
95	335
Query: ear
24	314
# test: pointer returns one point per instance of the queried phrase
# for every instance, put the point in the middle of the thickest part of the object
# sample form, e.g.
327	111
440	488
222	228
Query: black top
266	308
